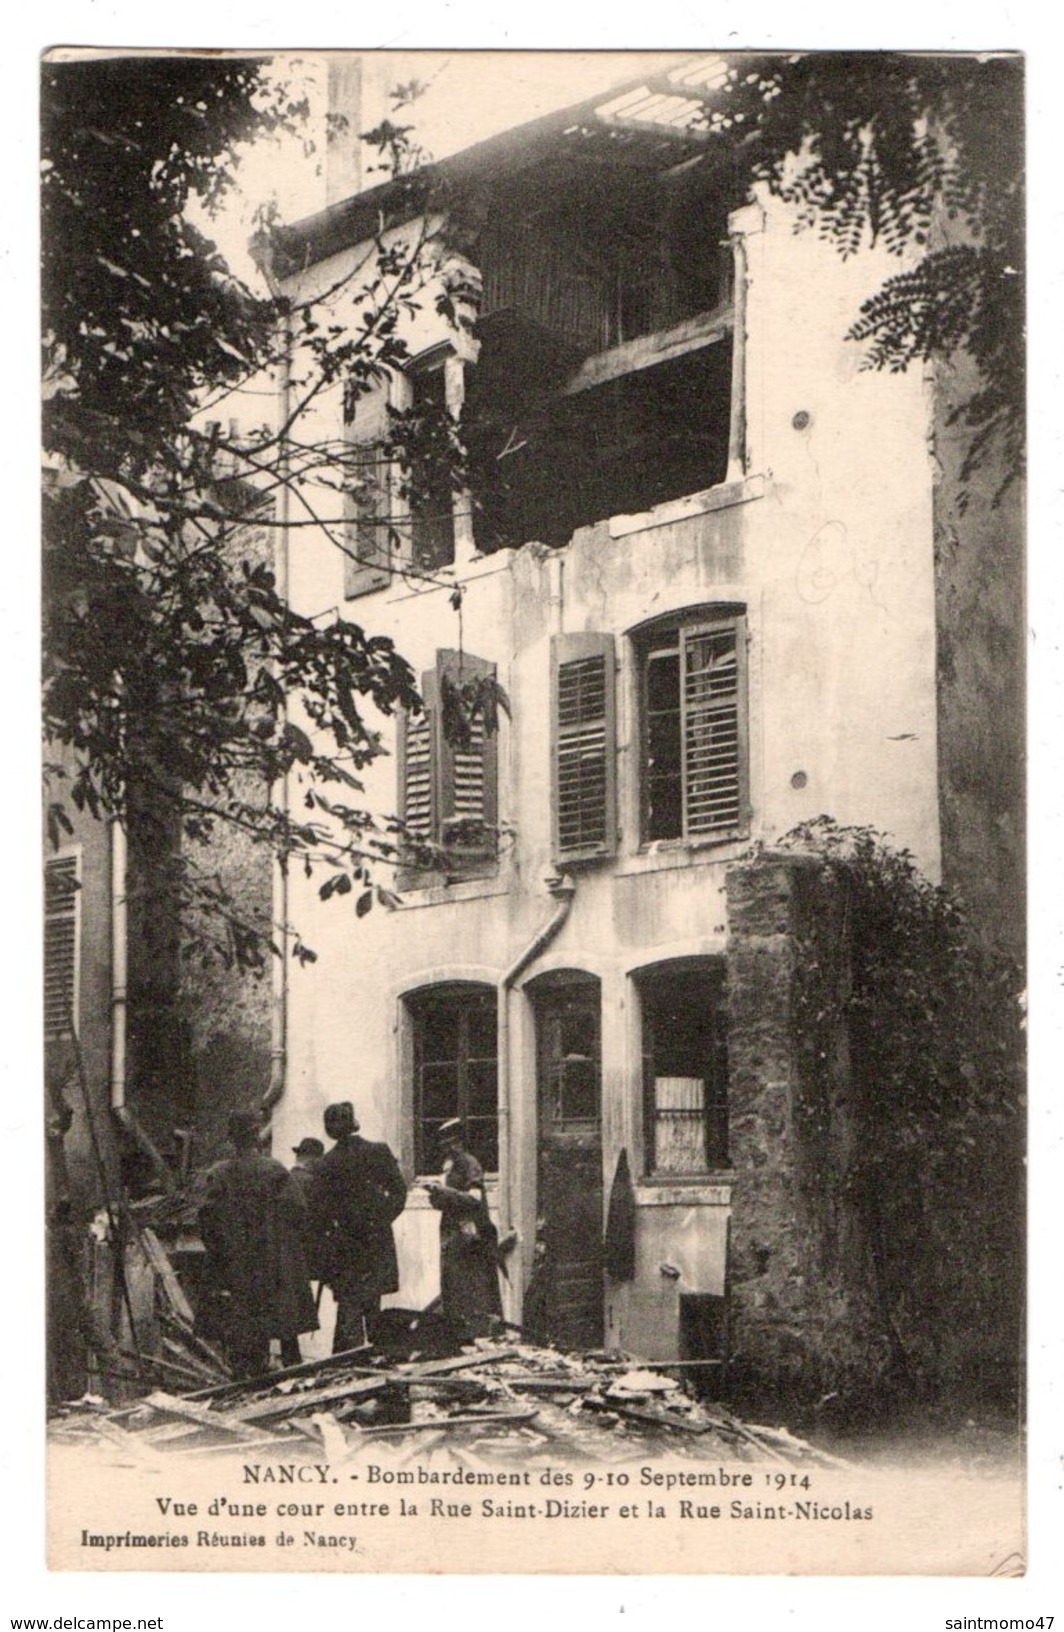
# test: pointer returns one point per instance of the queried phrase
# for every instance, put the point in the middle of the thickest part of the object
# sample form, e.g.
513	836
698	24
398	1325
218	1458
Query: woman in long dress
469	1262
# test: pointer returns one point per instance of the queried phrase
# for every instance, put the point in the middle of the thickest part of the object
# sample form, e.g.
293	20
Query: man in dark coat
469	1242
252	1222
308	1153
356	1193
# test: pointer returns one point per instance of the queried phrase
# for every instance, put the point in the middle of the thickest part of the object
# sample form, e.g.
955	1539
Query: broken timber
287	1405
201	1415
156	1254
471	1419
306	1368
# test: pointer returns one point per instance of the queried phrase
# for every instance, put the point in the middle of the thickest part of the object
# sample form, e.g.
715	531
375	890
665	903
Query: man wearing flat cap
252	1222
356	1193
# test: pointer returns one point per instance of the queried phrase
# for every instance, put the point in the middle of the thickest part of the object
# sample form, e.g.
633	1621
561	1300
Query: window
616	435
604	382
567	1031
448	790
62	927
455	1071
401	462
425	480
584	747
695	772
685	1067
369	532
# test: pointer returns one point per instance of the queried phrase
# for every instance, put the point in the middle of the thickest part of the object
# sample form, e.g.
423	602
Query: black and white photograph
534	704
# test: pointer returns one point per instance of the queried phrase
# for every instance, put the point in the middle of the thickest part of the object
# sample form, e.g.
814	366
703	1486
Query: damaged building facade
717	574
696	554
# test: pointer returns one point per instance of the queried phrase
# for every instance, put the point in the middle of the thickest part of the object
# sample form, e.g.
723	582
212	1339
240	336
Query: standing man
356	1193
308	1153
252	1222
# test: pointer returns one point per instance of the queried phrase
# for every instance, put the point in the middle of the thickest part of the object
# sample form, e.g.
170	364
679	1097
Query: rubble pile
494	1397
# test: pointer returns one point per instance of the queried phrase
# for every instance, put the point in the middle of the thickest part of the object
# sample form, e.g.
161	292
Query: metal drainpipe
120	1005
562	890
279	898
737	429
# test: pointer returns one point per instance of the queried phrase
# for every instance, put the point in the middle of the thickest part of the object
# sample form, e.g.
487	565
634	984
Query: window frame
683	627
370	542
652	984
550	995
462	994
439	359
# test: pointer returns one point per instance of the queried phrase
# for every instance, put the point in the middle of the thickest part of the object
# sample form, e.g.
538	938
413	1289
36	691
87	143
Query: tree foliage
920	153
175	674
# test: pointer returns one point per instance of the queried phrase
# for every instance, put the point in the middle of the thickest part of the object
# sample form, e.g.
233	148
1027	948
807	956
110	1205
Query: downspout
120	1005
562	890
737	428
279	794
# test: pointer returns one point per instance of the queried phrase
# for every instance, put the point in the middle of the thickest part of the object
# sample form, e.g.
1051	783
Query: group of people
271	1232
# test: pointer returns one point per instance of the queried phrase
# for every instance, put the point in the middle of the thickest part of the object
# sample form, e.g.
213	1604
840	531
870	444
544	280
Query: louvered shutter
417	781
61	925
713	707
448	794
417	775
368	520
467	785
584	803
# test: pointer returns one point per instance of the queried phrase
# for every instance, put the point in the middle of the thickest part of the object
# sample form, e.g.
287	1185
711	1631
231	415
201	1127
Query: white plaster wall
831	552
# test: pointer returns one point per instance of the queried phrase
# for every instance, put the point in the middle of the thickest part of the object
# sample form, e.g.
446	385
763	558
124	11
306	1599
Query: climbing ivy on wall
910	1049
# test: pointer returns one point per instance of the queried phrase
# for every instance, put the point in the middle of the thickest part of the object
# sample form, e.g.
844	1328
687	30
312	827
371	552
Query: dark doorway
570	1300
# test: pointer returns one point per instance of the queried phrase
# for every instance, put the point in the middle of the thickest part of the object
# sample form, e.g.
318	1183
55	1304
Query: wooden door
570	1164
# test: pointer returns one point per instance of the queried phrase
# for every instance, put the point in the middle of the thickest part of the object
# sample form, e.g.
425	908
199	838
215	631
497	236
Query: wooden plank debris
313	1404
306	1368
362	1388
725	1422
192	1411
471	1419
156	1362
635	1413
218	1366
162	1266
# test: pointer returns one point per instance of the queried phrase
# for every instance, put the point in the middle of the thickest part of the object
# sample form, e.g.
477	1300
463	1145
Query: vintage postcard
534	872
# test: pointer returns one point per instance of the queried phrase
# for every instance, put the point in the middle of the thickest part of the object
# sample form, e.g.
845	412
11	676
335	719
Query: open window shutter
713	703
584	732
417	789
468	776
367	513
61	923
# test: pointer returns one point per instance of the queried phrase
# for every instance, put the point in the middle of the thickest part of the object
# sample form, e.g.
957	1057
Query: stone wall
802	1323
853	1271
